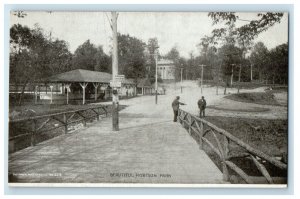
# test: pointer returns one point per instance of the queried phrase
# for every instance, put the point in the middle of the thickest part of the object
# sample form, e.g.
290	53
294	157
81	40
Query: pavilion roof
80	75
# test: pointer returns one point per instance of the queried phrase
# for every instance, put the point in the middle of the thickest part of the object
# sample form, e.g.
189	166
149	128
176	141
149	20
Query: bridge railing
222	147
31	127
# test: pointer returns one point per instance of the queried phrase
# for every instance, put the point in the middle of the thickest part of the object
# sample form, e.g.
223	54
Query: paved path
145	150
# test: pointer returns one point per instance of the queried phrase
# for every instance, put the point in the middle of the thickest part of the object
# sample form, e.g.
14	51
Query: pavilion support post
51	98
83	86
96	85
67	86
135	91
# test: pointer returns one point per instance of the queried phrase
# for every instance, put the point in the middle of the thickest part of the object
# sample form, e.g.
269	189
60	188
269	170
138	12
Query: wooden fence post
225	158
65	123
84	121
11	146
98	113
33	133
190	124
105	111
201	135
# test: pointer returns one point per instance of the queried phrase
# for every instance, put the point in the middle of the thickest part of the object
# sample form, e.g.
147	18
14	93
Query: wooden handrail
55	114
222	152
64	122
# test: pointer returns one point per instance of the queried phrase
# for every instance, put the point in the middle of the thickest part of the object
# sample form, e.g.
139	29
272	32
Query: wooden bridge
146	150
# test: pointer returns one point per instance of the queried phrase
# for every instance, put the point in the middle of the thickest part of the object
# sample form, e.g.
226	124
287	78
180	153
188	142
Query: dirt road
217	104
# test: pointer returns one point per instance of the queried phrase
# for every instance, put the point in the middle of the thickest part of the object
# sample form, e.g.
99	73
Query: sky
181	29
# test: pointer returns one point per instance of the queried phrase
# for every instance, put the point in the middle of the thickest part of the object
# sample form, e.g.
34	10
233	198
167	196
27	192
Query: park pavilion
83	84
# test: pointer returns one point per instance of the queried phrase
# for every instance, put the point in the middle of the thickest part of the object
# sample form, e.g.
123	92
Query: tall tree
173	54
280	61
259	60
85	56
241	36
34	56
152	50
103	61
132	60
230	57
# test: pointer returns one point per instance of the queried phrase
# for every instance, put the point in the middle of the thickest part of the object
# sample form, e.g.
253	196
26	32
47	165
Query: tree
173	54
152	50
132	60
85	56
249	30
230	57
153	45
259	60
103	61
277	66
34	56
241	36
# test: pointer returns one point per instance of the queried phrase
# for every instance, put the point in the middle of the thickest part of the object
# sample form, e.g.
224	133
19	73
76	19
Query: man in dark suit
175	106
202	106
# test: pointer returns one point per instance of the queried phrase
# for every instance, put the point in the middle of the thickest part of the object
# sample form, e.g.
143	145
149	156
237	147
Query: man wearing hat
175	106
202	106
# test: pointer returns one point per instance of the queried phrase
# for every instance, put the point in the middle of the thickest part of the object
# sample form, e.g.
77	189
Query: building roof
144	83
80	75
128	81
165	62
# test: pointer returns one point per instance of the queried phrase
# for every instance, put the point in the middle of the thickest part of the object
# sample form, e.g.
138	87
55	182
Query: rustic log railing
44	123
222	141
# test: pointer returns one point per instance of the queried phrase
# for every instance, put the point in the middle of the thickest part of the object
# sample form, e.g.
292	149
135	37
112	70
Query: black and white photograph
148	99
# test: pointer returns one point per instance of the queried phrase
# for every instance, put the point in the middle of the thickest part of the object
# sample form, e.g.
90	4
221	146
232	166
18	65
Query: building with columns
166	69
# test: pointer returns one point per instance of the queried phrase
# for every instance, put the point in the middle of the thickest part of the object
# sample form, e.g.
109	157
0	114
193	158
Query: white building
166	69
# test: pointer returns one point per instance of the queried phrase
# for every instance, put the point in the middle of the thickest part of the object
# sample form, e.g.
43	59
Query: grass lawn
264	98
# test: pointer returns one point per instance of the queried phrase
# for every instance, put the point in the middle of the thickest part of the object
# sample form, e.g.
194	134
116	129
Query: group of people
201	105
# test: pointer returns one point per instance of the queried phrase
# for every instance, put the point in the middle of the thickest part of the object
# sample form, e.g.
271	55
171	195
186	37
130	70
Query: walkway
145	150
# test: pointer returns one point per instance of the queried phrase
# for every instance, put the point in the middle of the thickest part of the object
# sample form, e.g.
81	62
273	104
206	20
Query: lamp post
202	77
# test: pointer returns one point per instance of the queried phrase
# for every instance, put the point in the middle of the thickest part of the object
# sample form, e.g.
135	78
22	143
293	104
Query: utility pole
251	72
186	74
115	97
155	54
231	81
181	69
240	72
202	76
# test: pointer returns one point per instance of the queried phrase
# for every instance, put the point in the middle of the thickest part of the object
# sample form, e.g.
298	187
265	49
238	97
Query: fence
222	146
33	126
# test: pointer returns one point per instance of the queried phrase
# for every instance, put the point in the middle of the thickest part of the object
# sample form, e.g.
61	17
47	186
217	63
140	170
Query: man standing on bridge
202	106
175	106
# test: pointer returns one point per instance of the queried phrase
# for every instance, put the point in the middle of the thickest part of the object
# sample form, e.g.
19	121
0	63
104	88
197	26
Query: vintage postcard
173	99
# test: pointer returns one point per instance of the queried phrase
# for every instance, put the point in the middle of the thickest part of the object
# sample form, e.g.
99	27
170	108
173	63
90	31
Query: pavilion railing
225	146
30	128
